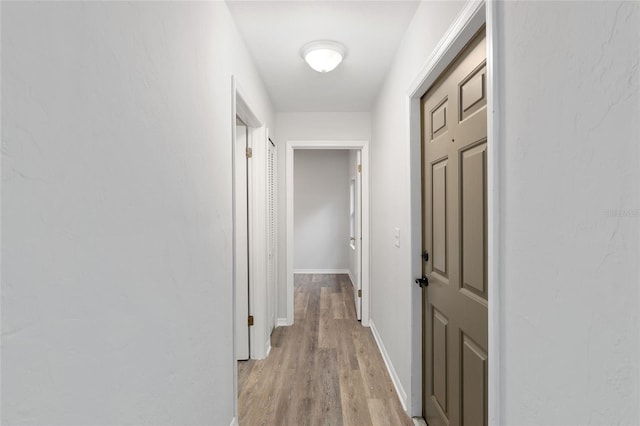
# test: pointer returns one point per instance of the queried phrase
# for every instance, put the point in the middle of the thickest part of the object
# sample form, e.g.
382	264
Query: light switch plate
396	237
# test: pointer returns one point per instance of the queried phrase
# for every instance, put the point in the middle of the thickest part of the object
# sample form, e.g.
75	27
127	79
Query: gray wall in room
116	211
321	210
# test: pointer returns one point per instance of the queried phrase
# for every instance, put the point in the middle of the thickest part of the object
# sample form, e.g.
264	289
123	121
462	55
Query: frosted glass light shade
323	56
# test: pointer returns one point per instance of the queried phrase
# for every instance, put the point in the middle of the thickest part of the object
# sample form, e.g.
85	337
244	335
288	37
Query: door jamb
474	15
363	146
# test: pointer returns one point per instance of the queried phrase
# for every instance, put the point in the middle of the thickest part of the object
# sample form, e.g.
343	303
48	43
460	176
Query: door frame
470	20
363	146
241	217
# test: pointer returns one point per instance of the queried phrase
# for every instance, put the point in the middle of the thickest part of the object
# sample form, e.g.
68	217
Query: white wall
391	280
569	212
116	211
304	126
569	217
321	210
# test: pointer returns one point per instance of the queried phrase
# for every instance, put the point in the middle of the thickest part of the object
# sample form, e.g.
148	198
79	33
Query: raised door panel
439	355
472	92
439	118
439	215
473	242
474	384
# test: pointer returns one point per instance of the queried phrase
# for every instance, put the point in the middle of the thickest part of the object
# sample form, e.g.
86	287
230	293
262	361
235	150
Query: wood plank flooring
324	370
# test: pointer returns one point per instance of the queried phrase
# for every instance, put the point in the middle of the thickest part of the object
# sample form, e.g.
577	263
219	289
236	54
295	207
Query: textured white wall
391	280
321	210
116	211
570	110
306	126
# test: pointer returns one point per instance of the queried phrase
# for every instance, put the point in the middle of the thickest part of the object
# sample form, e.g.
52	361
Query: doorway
254	250
361	294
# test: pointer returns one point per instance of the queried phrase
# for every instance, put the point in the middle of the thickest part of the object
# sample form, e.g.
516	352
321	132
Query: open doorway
354	240
326	220
254	233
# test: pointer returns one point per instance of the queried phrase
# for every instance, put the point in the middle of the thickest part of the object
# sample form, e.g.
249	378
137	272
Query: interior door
358	236
454	138
241	265
272	231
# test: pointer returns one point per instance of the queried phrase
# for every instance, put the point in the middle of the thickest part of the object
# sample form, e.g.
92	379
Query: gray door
454	139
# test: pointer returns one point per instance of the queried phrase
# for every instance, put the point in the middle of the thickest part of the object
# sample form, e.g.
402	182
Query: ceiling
275	31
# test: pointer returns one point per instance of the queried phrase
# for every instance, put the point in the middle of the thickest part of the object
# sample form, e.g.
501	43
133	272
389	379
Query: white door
357	286
241	244
272	231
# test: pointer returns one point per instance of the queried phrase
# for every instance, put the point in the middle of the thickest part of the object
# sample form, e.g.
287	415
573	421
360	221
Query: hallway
325	369
124	241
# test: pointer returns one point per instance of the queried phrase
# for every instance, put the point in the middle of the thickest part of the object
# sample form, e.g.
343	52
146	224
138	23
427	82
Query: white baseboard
402	395
268	346
282	322
234	422
419	421
320	271
353	282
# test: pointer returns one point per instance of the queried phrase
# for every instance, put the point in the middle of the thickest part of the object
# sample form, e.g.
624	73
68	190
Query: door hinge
359	168
249	152
360	293
250	320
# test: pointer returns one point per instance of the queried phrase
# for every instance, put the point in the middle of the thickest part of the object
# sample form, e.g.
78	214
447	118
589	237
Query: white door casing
241	249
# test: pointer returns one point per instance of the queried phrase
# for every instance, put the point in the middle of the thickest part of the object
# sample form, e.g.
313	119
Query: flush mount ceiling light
324	55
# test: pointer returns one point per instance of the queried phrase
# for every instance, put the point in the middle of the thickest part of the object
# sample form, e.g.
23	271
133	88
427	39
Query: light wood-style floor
324	370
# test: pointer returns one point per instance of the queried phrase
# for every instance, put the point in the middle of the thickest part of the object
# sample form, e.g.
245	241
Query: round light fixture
323	55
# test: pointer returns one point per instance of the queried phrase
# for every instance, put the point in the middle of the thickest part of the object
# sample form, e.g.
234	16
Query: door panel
472	92
439	248
474	383
454	161
439	356
439	119
473	173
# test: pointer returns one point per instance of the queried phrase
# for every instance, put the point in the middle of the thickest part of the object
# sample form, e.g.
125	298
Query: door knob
422	282
425	256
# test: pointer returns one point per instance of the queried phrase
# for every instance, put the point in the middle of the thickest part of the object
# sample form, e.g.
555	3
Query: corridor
161	186
324	370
